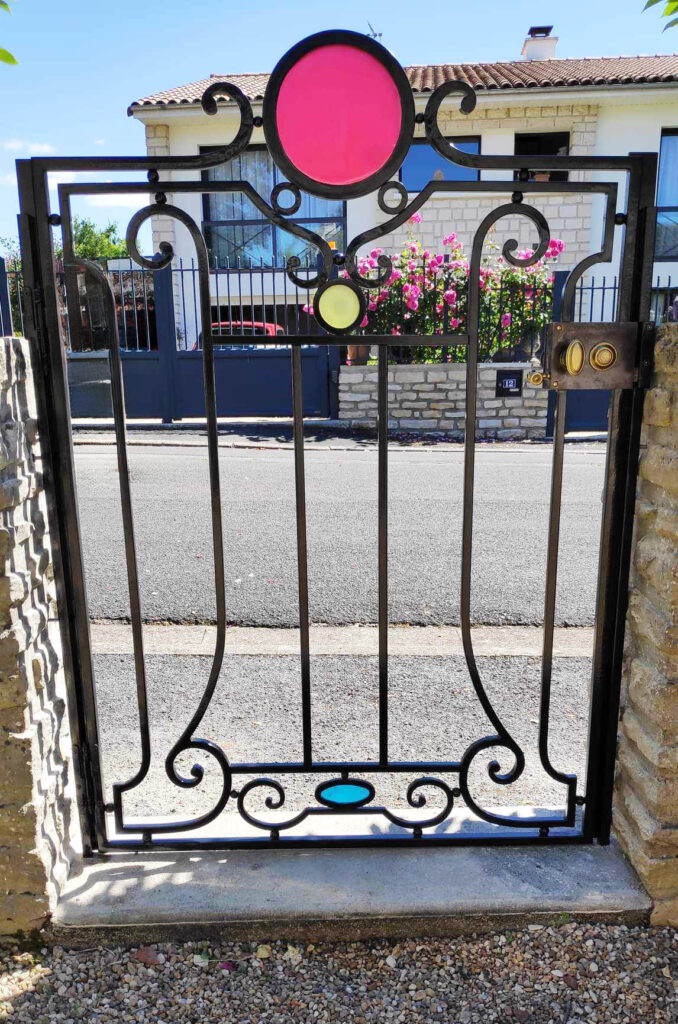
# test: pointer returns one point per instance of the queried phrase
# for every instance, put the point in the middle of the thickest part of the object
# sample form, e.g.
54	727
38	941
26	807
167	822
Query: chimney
540	44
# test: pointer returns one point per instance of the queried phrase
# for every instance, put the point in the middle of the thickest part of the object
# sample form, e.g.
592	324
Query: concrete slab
404	641
343	894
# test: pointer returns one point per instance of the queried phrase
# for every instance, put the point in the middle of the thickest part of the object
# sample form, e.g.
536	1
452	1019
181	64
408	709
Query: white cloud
60	178
100	142
32	148
132	200
9	179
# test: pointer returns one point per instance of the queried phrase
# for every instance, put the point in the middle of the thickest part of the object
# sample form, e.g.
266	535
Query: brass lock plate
592	356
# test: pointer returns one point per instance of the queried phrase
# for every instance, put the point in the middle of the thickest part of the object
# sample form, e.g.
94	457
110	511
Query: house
536	104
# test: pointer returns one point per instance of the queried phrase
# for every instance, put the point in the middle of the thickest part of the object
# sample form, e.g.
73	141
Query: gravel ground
255	715
571	974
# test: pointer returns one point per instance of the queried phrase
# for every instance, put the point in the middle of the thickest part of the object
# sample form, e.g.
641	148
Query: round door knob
603	356
573	358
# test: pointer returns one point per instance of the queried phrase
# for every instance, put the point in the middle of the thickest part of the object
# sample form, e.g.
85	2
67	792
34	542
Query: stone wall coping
411	367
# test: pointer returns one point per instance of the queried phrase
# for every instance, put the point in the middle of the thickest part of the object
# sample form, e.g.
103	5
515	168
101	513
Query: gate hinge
648	332
30	301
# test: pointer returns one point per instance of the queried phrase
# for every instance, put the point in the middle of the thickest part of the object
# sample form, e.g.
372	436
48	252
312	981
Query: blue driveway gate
161	344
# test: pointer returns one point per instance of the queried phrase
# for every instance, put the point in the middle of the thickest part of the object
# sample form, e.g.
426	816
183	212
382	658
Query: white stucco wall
605	121
624	126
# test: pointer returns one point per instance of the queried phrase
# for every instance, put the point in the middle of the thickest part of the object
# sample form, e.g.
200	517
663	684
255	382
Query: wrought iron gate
615	356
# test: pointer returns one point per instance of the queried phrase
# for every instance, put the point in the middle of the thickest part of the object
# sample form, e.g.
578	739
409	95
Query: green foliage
89	241
5	56
427	295
93	243
670	9
9	248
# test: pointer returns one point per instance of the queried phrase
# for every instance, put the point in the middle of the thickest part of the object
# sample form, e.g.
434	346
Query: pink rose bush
426	294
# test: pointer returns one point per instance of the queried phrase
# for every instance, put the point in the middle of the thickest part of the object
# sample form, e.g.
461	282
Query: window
543	144
667	197
423	164
237	233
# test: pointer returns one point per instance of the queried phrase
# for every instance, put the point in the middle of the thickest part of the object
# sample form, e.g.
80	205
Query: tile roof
520	74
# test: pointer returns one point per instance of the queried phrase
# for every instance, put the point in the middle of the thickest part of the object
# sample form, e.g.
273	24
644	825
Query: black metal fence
11	298
252	299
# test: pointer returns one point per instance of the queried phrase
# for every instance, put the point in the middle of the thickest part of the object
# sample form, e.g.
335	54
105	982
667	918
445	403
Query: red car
242	329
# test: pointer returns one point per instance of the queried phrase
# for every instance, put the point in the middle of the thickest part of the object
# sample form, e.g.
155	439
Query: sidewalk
278	433
349	641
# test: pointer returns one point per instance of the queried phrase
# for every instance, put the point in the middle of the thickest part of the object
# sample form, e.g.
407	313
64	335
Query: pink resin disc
339	115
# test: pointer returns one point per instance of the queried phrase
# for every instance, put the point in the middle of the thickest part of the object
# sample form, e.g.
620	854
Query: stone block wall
646	796
432	397
38	835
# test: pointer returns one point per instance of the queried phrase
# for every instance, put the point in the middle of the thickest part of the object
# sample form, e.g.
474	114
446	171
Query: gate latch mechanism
591	356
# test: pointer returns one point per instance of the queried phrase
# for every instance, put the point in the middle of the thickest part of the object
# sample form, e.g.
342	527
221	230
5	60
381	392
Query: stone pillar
164	228
646	794
157	144
38	836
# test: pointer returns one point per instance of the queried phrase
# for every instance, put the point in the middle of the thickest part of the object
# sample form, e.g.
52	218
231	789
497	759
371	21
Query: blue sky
83	61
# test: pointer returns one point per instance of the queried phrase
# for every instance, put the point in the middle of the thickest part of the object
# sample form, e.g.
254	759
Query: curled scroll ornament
187	741
417	799
502	738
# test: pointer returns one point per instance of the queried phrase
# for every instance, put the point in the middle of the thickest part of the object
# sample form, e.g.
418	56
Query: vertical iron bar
274	290
42	331
122	310
216	285
146	318
382	501
626	415
252	316
134	308
285	311
196	320
118	397
228	296
239	274
89	316
581	300
263	292
302	553
552	569
183	302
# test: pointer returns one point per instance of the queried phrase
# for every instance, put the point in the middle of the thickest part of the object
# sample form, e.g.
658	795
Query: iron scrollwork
362	804
284	202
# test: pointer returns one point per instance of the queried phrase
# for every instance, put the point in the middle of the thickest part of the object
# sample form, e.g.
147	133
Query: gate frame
43	330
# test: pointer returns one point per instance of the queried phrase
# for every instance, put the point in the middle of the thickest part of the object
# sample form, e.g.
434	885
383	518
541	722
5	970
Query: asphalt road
172	521
255	714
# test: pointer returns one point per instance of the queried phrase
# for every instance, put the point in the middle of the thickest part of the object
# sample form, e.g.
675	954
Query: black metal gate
612	356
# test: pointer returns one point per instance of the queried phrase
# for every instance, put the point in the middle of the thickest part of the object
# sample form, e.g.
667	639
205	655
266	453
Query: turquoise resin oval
345	794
